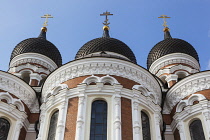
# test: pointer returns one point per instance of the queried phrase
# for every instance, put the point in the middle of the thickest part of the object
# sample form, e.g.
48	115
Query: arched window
26	76
145	126
53	126
98	129
4	128
196	130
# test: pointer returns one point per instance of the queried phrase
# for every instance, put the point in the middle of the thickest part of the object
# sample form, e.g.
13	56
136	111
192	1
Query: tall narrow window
98	129
53	126
4	128
196	130
145	126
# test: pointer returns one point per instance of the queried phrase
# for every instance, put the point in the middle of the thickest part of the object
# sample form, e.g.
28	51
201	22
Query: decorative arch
189	101
10	100
105	79
144	91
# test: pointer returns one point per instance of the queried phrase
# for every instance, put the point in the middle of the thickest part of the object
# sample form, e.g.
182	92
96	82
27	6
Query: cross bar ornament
106	23
164	20
46	19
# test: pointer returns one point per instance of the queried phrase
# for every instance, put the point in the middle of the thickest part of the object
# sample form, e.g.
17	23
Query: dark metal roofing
106	44
168	46
38	45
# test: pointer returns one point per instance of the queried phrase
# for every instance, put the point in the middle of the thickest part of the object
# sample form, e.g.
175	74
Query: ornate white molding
183	119
33	58
19	88
189	101
15	116
27	66
175	69
106	66
105	79
11	100
173	59
189	85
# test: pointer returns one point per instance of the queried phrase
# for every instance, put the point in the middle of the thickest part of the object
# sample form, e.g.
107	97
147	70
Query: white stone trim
19	88
189	101
176	69
105	79
28	67
33	58
15	117
106	66
11	100
143	103
172	59
189	85
183	119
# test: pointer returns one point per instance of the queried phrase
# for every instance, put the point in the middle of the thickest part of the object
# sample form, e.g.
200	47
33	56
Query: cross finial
164	20
106	23
46	19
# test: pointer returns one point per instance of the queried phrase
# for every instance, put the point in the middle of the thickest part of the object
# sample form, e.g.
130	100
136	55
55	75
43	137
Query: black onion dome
106	43
168	46
38	45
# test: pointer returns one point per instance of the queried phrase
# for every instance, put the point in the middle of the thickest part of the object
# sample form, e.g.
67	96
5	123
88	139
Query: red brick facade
71	118
126	114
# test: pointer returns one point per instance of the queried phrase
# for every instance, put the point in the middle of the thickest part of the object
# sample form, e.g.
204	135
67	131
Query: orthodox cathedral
103	94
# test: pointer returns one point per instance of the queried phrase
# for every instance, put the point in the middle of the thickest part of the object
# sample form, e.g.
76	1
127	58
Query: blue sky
76	22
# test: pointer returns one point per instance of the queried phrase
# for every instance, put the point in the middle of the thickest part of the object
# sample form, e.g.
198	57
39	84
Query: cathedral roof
106	43
168	46
38	45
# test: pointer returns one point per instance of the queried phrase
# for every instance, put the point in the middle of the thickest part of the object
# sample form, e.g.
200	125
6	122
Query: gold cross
106	20
164	20
46	19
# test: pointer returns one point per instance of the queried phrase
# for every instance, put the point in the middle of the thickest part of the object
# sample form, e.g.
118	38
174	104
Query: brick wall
71	118
126	114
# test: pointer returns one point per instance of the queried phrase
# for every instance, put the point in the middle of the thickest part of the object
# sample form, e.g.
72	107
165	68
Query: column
61	120
18	127
171	79
180	127
136	120
207	124
42	120
157	126
117	117
34	79
80	119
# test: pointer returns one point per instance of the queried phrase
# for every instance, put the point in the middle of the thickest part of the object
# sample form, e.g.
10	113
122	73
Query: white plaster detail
105	79
19	88
33	58
14	116
173	59
171	77
189	101
146	92
26	67
185	87
106	66
176	69
183	119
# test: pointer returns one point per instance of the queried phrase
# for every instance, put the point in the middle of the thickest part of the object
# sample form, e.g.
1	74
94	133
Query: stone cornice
106	66
19	88
174	58
33	58
187	86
